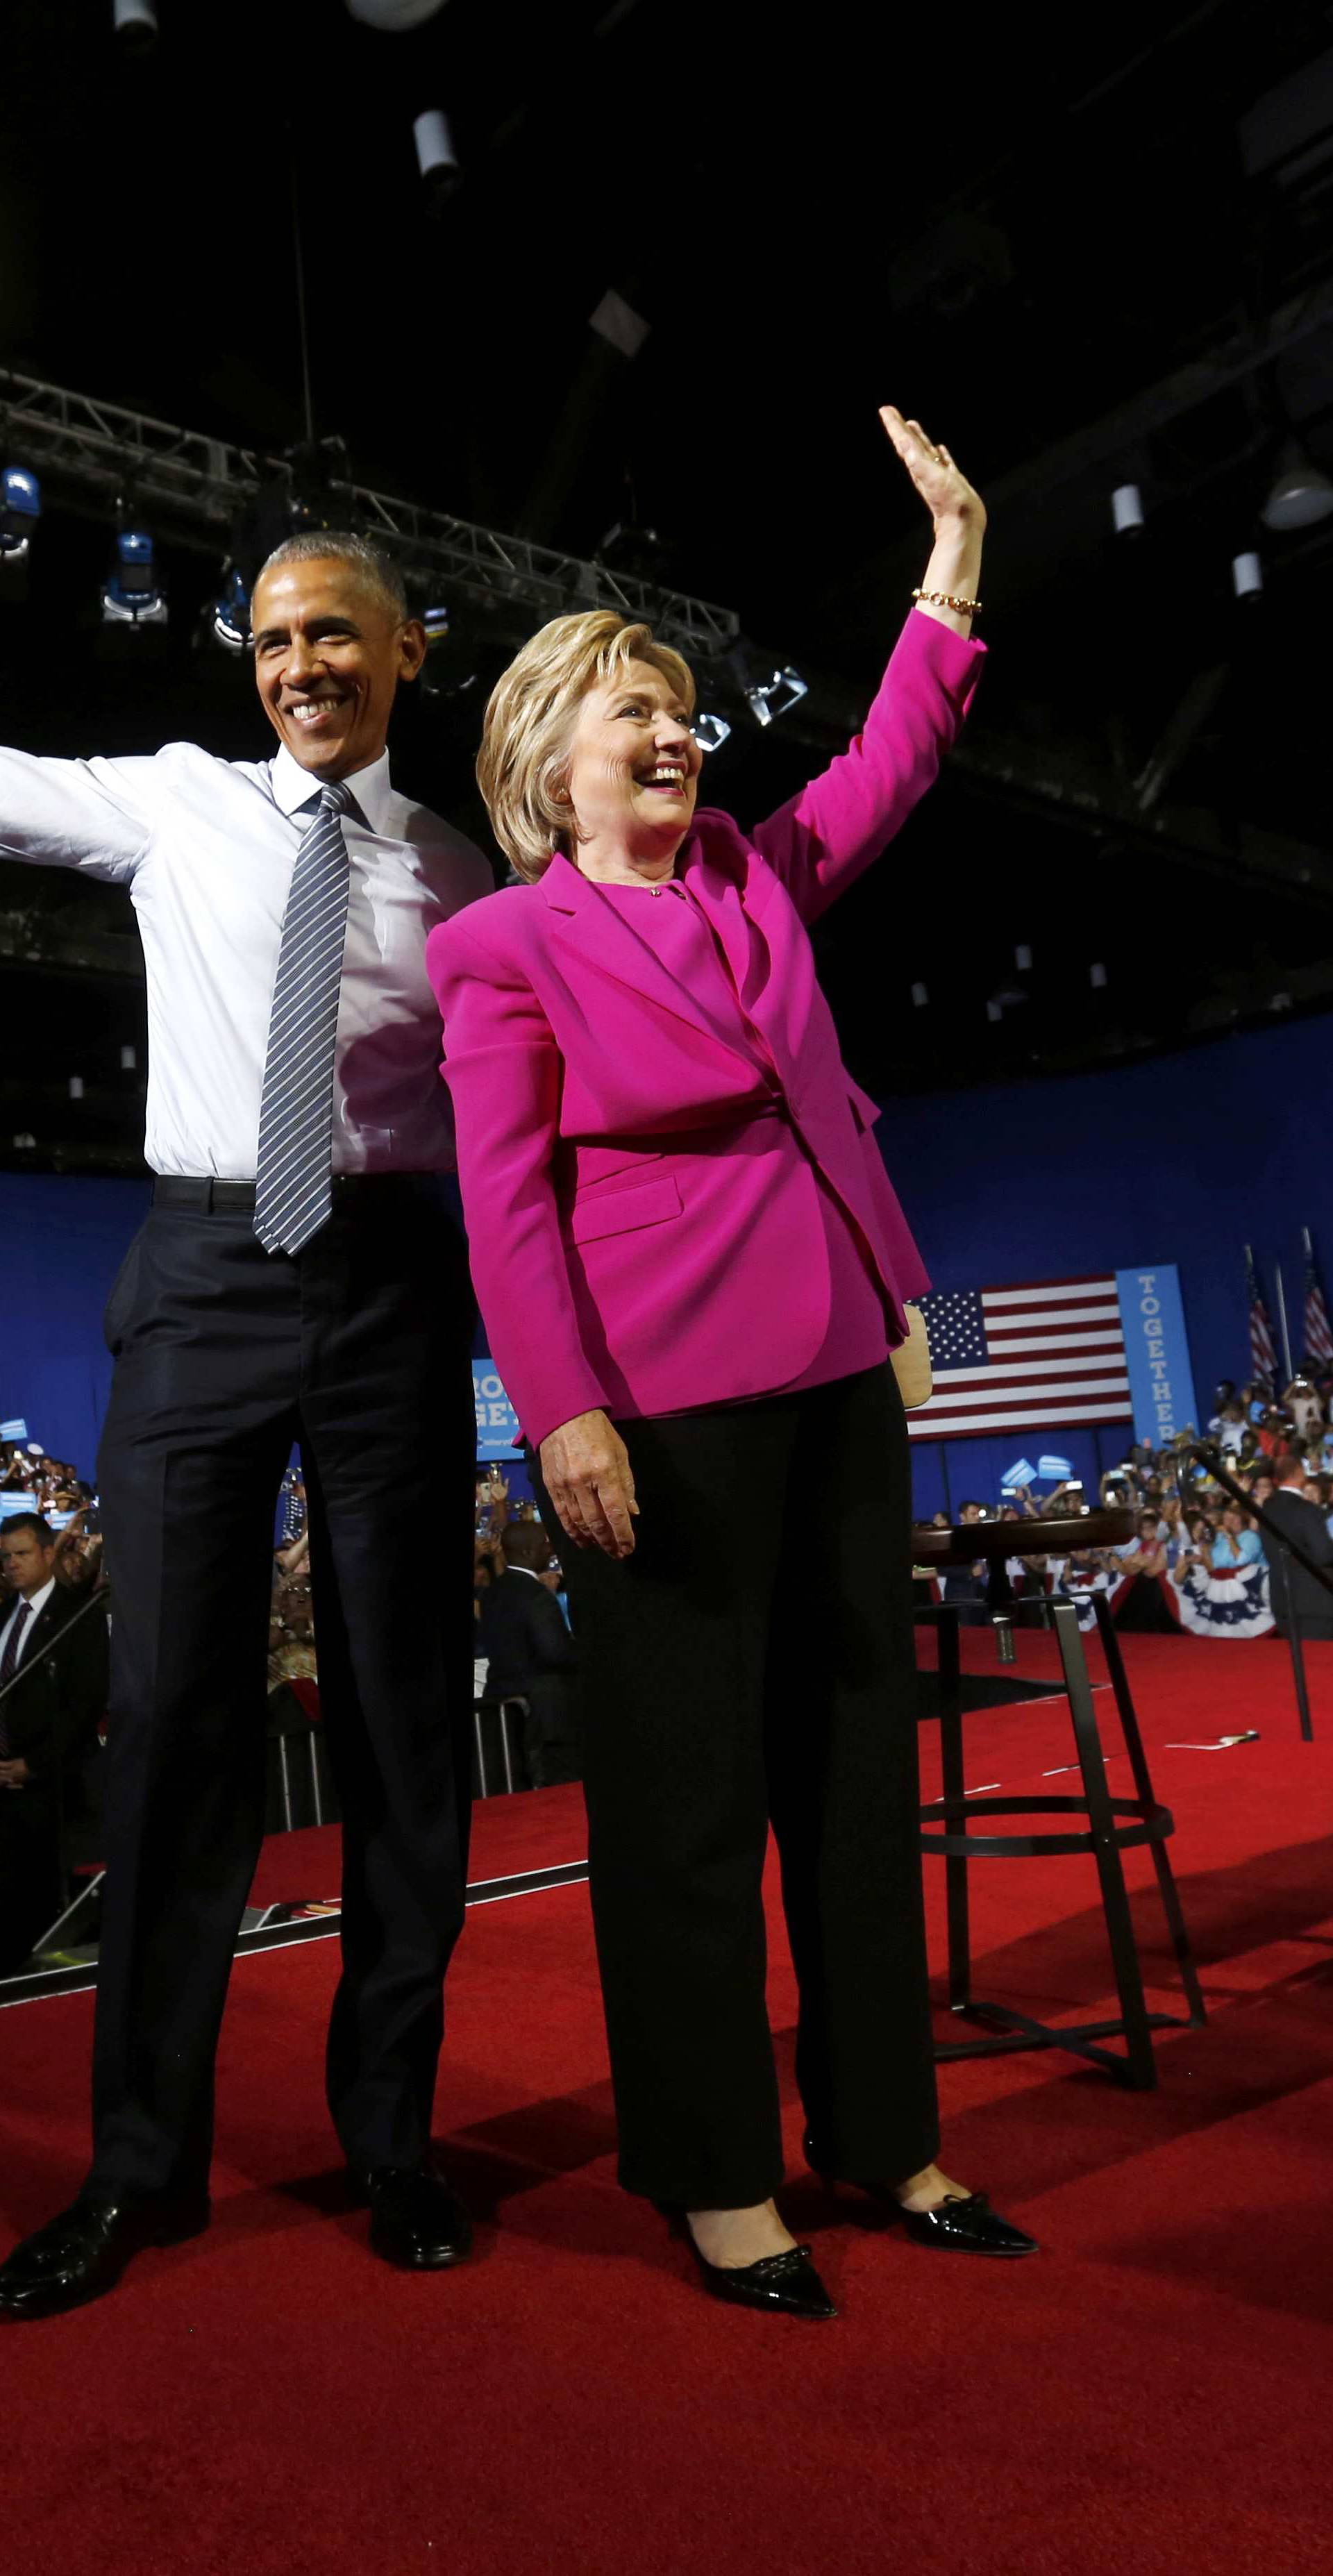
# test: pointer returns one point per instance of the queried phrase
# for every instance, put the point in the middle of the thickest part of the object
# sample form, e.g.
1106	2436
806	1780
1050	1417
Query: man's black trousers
753	1662
359	1347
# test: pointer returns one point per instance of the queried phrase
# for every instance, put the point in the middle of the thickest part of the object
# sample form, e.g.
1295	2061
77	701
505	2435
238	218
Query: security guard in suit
48	1725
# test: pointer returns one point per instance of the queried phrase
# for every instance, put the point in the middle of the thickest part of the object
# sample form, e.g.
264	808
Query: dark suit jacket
53	1713
523	1633
1305	1523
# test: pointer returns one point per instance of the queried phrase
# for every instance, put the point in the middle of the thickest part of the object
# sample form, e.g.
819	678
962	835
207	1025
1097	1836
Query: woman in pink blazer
692	1268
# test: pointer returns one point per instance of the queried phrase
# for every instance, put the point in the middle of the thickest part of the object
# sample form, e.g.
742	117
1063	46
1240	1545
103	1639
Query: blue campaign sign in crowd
497	1423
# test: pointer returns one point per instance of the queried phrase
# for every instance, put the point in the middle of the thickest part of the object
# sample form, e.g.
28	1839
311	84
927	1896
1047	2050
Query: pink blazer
636	1245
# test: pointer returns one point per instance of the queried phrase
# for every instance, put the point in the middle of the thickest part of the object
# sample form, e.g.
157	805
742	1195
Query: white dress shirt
206	848
35	1608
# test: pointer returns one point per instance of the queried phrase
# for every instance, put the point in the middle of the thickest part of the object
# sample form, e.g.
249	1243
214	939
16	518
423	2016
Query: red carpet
1151	2393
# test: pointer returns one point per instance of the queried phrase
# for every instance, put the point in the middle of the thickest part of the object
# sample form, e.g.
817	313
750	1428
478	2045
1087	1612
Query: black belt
177	1189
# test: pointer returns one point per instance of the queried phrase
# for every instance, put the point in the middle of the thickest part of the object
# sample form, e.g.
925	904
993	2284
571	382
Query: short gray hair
340	545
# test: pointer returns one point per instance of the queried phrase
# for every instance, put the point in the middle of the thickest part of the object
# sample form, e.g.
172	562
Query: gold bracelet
946	599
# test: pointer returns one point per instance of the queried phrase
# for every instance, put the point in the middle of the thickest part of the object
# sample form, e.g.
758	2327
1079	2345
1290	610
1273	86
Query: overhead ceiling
1085	247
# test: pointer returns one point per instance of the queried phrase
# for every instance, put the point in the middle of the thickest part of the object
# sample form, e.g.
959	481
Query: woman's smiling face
633	768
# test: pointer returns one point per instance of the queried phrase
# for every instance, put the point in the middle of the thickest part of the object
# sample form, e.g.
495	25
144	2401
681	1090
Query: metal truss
202	483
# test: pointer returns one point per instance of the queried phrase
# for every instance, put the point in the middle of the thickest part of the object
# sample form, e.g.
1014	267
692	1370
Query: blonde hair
530	717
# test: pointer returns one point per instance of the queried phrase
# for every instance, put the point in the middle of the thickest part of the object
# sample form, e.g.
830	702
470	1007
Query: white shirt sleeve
95	815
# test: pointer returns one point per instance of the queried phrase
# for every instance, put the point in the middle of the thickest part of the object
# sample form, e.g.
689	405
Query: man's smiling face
330	651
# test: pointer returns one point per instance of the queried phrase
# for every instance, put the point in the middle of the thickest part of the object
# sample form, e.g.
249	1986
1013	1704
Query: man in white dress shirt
299	1276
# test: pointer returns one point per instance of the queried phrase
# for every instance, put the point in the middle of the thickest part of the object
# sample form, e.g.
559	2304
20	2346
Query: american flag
1263	1348
1318	1334
1026	1358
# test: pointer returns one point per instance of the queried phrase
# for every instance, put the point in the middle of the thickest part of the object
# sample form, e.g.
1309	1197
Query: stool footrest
1017	2032
1145	1824
1106	1828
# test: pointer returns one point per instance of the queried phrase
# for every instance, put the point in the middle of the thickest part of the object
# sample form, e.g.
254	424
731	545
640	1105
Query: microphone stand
1210	1456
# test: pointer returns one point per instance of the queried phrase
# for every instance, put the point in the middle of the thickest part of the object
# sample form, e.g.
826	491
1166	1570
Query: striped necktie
292	1183
14	1636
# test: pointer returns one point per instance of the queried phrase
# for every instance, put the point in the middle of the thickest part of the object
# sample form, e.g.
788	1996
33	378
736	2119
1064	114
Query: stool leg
505	1706
285	1776
1140	2066
955	1811
1138	1763
482	1790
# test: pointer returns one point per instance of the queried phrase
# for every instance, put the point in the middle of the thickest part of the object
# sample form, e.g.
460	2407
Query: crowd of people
48	1485
1197	1559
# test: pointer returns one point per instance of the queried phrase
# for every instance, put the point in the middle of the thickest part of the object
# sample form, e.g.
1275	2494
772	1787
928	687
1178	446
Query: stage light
615	321
994	1012
1247	576
436	158
1127	509
76	1086
710	731
128	1059
769	699
231	611
393	17
131	597
1023	960
1301	495
1097	978
135	23
436	623
20	509
920	996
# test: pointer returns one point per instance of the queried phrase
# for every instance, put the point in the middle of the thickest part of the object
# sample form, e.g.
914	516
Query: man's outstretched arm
95	815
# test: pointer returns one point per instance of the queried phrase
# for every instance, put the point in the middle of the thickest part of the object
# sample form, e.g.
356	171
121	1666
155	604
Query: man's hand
588	1476
15	1774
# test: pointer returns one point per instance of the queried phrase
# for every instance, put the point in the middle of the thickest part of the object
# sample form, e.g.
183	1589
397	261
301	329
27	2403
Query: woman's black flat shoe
970	2226
788	2284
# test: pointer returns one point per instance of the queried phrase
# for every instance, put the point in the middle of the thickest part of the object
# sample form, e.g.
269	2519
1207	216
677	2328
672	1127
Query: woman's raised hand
943	486
586	1469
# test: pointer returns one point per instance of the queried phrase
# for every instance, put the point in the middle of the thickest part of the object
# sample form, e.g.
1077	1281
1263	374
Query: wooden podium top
995	1540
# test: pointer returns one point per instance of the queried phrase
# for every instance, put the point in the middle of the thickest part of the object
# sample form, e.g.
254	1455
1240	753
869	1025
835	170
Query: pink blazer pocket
622	1211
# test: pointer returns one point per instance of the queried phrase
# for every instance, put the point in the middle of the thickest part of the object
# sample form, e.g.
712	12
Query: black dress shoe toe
786	2284
416	2220
83	2252
969	2226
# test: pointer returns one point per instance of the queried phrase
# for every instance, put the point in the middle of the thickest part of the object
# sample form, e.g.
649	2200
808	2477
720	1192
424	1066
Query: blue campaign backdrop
1183	1159
64	1241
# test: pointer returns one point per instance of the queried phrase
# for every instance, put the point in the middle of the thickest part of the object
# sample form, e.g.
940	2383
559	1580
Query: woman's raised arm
832	829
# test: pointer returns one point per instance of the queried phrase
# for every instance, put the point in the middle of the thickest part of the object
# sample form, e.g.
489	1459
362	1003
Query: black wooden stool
1112	1826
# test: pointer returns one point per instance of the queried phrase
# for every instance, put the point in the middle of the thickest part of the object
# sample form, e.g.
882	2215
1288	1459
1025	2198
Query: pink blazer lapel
744	942
607	942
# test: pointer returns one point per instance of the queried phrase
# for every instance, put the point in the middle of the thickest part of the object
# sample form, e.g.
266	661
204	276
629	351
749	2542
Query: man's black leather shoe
84	2251
416	2220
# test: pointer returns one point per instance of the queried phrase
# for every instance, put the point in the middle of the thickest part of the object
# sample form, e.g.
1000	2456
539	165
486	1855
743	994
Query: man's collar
294	787
529	1570
39	1599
